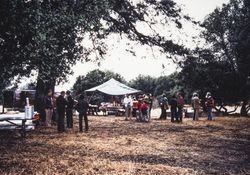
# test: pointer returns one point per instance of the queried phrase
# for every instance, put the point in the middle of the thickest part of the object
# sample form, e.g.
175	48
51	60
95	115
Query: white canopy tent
113	87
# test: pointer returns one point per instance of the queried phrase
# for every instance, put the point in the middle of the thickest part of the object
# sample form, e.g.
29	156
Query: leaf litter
114	146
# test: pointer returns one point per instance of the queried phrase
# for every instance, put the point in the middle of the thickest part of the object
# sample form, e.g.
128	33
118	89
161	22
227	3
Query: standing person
196	106
164	107
69	110
144	111
127	101
139	114
82	107
49	108
134	107
173	108
149	100
180	104
60	108
209	105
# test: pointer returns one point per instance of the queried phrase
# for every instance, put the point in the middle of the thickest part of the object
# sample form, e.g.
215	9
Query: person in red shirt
144	110
134	106
209	105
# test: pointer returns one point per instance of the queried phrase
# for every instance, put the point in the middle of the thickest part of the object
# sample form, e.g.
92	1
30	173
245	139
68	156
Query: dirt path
115	146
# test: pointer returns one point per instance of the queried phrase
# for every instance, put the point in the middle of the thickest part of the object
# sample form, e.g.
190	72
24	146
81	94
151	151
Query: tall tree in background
223	66
144	83
168	85
92	79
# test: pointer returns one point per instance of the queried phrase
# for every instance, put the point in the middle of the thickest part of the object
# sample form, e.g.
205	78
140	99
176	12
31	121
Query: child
144	110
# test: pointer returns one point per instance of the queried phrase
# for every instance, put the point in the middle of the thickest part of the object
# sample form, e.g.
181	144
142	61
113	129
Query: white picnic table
16	121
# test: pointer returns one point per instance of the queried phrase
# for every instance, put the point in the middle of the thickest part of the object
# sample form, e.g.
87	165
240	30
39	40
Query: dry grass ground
114	146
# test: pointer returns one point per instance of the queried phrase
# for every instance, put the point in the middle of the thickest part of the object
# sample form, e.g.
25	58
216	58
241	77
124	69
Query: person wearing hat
209	105
134	106
164	107
196	106
69	109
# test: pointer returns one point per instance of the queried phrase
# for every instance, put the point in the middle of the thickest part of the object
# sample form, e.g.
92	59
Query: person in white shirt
196	106
127	101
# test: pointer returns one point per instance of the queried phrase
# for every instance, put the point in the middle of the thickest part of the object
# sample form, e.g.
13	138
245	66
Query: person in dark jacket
60	108
69	110
180	104
173	108
82	107
164	107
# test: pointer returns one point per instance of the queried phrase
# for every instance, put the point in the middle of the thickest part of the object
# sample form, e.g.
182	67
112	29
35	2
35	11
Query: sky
146	61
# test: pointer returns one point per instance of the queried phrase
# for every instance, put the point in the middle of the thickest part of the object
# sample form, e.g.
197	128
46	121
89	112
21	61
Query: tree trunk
42	88
244	110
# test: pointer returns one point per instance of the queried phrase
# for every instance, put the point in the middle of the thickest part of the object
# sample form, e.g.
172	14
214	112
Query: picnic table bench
16	121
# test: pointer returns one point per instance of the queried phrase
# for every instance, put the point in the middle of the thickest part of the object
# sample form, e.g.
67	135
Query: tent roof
113	87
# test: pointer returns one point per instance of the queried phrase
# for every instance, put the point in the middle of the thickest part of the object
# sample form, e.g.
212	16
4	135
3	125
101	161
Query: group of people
64	105
176	107
196	104
139	107
177	104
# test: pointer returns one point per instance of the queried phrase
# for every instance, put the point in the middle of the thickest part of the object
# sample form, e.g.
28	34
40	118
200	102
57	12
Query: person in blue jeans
164	107
209	105
82	107
173	108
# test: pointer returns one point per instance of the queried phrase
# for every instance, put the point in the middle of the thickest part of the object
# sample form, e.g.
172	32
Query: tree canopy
94	78
222	67
50	35
168	85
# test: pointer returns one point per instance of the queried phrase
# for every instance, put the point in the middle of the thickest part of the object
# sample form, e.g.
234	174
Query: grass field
114	146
